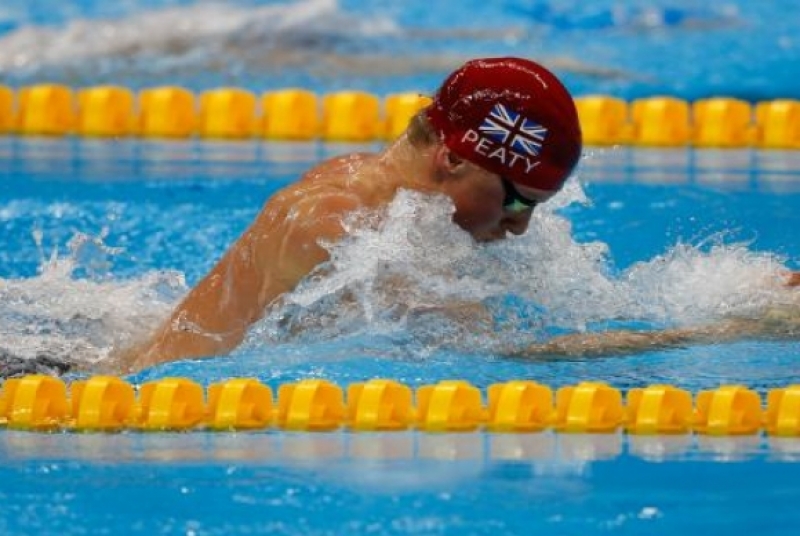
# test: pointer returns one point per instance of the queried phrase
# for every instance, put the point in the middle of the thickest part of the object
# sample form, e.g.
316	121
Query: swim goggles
513	201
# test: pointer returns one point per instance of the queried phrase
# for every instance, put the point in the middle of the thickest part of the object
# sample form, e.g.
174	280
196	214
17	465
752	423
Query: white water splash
81	319
399	273
245	44
401	264
185	35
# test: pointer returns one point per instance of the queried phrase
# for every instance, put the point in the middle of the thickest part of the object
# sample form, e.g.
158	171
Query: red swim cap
512	117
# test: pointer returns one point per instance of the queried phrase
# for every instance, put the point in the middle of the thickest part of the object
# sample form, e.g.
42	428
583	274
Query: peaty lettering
496	151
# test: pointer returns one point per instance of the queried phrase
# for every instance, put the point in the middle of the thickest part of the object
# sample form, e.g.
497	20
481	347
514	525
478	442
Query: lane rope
107	403
233	113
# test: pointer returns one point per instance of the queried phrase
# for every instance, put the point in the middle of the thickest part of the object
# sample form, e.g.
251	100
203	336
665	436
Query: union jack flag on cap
514	130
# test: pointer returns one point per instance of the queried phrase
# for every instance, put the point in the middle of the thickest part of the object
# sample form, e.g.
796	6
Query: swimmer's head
511	117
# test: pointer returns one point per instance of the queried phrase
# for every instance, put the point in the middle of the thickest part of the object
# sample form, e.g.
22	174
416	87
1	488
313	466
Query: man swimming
501	136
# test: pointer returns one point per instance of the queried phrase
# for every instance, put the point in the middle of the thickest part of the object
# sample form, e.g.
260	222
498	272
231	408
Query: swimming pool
101	238
171	209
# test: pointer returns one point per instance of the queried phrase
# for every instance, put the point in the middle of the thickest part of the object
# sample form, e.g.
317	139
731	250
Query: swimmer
500	137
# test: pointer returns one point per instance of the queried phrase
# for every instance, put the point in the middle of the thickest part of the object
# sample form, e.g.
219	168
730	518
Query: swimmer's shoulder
329	190
306	205
339	168
341	171
333	185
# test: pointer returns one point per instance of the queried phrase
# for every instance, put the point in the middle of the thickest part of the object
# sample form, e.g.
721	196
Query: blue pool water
712	226
397	484
627	48
99	239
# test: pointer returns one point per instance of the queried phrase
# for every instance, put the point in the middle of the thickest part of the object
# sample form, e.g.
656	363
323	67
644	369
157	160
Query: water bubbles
76	310
405	276
406	271
202	36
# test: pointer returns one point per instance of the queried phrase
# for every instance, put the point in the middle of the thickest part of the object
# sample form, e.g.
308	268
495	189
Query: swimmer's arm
780	323
213	316
624	342
271	257
777	323
468	315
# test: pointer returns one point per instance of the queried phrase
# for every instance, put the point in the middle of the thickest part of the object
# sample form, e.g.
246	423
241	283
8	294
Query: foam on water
212	43
408	273
196	35
411	273
82	318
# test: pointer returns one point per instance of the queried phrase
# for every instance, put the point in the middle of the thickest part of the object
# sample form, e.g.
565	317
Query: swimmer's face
490	207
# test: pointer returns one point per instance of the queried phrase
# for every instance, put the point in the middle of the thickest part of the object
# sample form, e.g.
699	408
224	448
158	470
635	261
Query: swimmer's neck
407	166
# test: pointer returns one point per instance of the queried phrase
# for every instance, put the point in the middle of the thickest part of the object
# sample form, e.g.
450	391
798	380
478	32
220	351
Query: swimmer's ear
448	161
